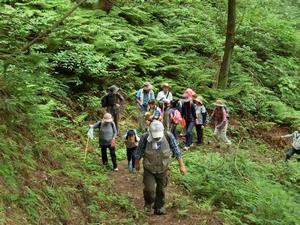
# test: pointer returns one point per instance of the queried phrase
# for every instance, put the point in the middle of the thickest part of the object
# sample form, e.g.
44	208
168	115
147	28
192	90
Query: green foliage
48	93
246	192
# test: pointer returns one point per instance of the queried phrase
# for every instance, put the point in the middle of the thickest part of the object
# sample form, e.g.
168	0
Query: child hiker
131	142
201	119
295	145
107	139
175	118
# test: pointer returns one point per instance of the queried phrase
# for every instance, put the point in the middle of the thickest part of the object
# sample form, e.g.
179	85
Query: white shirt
165	97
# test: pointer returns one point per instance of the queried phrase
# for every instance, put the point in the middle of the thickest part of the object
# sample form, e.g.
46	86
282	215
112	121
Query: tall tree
229	45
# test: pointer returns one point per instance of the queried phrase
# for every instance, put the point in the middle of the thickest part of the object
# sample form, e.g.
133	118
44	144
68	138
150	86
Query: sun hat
147	85
165	85
107	118
156	129
219	103
189	92
114	88
200	100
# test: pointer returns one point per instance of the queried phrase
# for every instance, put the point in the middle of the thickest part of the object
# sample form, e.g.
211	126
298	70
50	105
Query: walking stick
86	148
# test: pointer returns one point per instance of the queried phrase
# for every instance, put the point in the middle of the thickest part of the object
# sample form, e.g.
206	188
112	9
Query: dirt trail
181	209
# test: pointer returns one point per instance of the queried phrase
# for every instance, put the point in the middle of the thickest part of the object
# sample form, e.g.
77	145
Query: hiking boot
147	208
130	166
116	169
160	212
134	170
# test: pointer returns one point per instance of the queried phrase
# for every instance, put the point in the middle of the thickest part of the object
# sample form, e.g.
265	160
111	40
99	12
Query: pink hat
189	93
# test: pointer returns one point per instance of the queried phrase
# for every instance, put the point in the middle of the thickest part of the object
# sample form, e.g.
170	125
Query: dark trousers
154	188
189	133
112	151
199	130
115	114
292	152
173	127
131	155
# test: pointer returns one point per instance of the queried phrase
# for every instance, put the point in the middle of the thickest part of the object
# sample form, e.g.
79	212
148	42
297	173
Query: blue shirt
143	143
145	97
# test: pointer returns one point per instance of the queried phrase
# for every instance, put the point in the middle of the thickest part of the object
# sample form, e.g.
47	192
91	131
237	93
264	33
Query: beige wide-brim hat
200	100
219	103
165	85
107	118
147	86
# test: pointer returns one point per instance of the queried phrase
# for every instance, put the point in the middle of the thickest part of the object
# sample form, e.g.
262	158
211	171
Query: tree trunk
229	45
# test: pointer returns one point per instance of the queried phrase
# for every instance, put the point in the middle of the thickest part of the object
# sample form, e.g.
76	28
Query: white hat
107	118
156	129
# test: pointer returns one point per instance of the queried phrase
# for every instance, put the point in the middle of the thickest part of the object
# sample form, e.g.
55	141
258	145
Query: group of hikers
160	119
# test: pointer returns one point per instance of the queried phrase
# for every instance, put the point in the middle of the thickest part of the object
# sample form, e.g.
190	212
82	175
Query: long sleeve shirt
164	97
296	138
143	143
189	112
220	116
107	132
201	114
144	97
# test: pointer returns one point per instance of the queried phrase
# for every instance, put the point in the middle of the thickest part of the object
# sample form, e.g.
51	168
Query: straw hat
165	85
200	100
107	118
147	85
219	103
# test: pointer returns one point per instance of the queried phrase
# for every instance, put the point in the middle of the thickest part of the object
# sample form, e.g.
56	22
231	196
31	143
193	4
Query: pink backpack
176	117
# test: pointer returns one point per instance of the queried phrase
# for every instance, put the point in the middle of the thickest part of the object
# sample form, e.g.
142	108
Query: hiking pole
86	148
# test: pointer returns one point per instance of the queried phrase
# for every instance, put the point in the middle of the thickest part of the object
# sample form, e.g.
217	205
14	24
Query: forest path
181	208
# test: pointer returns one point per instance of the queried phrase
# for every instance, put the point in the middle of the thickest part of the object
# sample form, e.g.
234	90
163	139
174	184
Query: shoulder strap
167	135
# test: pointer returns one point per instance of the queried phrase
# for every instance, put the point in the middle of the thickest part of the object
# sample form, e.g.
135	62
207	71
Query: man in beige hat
107	139
143	96
164	97
156	148
220	116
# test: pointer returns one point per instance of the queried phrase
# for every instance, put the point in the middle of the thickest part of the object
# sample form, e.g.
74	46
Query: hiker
164	97
156	148
295	145
107	139
113	101
220	117
156	113
131	142
143	96
201	119
179	107
189	116
175	118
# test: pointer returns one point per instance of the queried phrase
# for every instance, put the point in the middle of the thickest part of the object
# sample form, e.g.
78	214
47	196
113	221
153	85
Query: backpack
104	101
176	117
111	99
131	133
